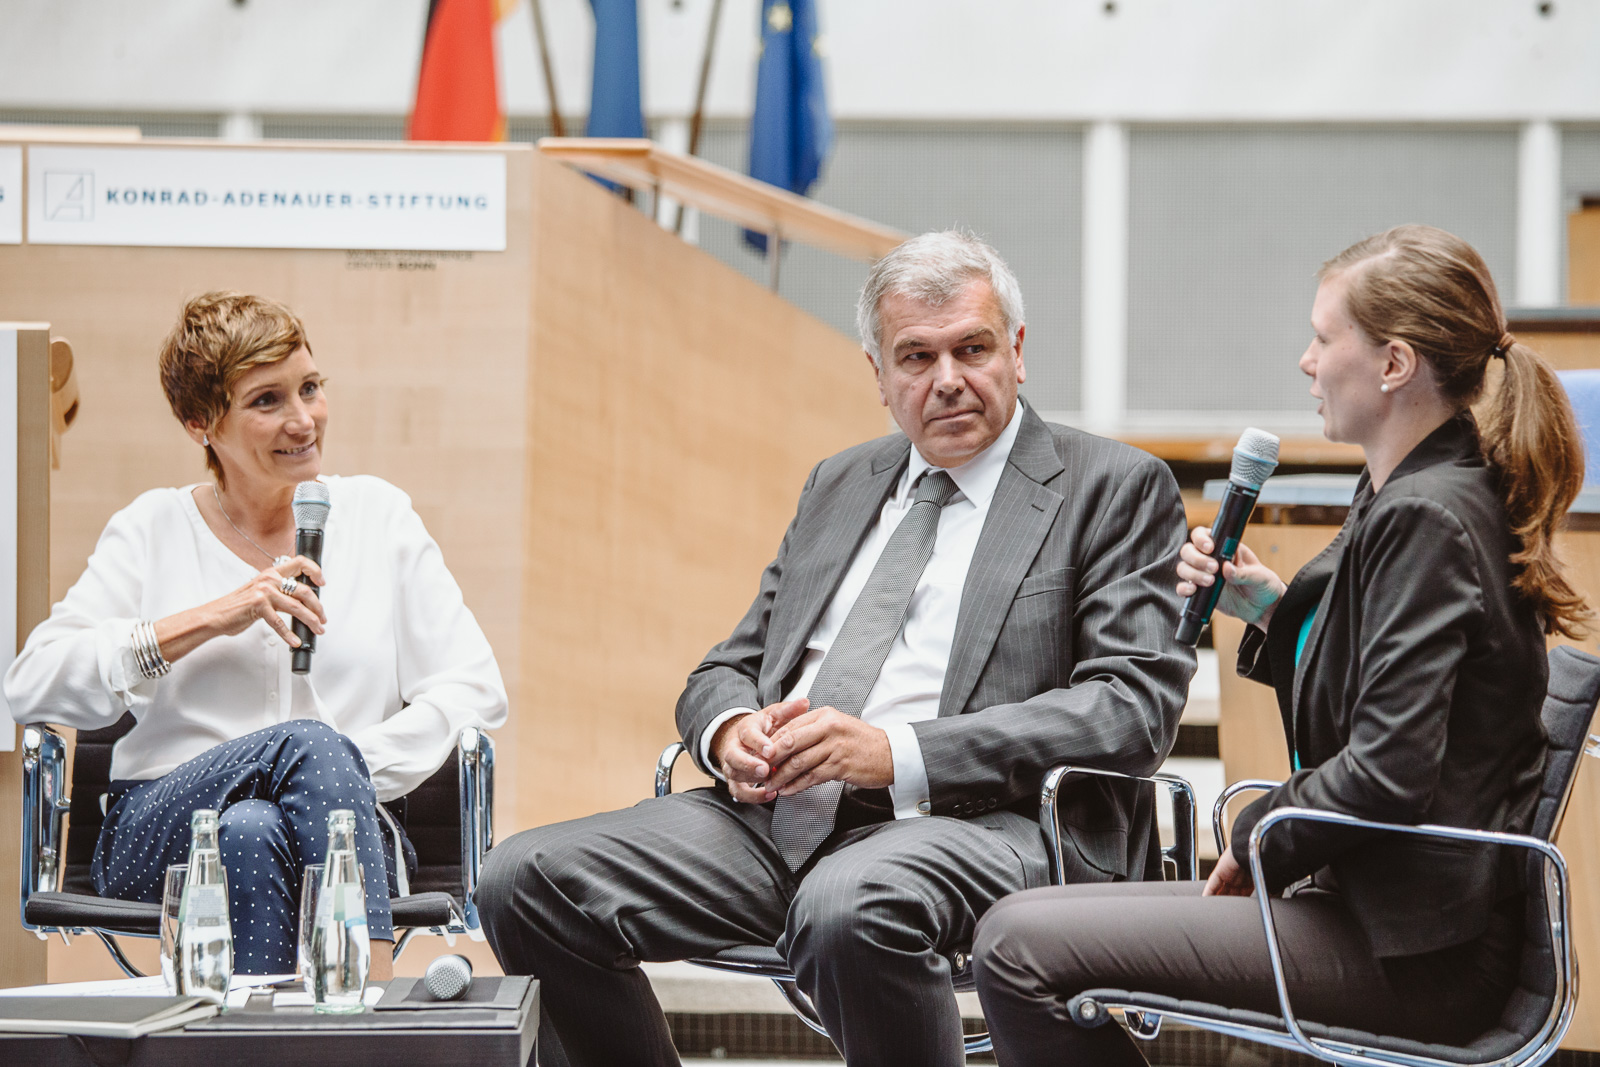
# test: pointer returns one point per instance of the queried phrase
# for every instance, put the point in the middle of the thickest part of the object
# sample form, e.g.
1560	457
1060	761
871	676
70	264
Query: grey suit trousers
868	924
1037	950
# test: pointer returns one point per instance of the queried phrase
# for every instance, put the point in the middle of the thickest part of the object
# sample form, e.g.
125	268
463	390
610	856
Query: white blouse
401	670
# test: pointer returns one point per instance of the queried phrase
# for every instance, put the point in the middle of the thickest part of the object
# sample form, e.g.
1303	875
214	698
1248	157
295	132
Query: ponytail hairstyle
1431	289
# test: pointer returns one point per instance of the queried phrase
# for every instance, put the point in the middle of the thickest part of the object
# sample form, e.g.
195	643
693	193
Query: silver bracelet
147	650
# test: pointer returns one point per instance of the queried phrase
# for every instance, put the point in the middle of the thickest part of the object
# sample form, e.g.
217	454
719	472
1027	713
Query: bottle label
352	907
203	904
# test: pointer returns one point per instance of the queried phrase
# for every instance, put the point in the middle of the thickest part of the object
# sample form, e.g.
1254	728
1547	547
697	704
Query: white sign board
8	525
265	198
10	194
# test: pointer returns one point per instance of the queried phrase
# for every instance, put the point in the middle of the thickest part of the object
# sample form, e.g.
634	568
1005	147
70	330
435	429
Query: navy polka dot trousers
274	789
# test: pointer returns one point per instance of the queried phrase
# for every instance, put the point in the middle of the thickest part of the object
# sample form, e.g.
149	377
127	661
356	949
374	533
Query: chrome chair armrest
1182	853
44	812
475	763
1558	911
664	764
1219	810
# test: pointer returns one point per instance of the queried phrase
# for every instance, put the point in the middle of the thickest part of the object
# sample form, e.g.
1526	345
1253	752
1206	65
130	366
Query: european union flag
790	132
614	108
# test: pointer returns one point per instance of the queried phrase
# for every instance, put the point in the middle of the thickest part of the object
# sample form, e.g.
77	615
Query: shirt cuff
909	790
119	666
710	732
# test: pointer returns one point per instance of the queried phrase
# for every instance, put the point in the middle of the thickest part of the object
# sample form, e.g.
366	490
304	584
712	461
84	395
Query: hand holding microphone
1207	566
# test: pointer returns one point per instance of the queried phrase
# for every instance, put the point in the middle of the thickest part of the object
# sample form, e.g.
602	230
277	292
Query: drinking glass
339	952
172	884
310	893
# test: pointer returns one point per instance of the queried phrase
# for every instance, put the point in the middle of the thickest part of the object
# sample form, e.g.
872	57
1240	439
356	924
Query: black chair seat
1492	1045
82	910
423	909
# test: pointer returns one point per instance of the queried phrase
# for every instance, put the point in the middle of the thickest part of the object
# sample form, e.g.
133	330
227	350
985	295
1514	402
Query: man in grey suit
952	611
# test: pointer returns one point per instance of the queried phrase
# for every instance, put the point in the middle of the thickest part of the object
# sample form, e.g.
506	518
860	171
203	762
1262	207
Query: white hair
933	268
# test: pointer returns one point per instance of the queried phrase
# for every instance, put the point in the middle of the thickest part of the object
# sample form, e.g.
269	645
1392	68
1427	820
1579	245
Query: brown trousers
1037	949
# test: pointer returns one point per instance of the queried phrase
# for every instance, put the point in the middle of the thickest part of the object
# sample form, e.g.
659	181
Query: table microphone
448	977
1255	457
311	507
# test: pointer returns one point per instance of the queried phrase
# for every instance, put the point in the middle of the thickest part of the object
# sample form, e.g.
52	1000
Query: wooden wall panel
675	411
1583	256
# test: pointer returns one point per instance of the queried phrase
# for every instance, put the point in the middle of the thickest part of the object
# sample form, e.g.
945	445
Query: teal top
1299	649
1305	632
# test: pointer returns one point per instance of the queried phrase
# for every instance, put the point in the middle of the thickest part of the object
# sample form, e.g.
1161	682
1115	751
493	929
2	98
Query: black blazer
1416	700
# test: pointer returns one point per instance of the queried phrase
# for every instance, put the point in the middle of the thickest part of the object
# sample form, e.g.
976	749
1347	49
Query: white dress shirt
908	686
402	668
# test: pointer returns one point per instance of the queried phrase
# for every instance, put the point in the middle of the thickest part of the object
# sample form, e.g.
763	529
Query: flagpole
557	127
698	119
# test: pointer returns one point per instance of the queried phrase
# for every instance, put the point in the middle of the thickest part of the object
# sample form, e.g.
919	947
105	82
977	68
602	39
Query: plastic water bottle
340	952
205	954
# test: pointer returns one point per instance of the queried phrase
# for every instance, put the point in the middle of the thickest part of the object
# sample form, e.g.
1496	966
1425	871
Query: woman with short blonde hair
182	617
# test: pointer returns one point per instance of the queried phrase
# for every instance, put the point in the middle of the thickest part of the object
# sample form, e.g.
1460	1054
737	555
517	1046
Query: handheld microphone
311	507
448	977
1255	457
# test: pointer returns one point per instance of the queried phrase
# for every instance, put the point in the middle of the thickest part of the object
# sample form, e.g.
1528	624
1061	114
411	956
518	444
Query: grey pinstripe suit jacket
1063	650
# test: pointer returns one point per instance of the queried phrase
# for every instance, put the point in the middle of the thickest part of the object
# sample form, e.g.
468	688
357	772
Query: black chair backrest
430	815
91	777
1569	704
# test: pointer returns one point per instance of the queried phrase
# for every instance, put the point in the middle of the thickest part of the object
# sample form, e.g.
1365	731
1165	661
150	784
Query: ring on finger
289	585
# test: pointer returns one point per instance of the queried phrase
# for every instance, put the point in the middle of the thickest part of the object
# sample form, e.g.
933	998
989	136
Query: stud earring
205	439
1384	388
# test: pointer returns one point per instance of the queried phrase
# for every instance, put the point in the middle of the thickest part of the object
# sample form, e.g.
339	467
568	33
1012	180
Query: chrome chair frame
1180	856
45	806
1146	1024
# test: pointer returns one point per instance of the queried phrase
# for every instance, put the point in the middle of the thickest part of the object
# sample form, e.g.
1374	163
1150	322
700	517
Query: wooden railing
752	204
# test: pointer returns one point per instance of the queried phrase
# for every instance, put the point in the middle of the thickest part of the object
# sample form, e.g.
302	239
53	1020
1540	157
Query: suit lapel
1020	515
826	557
1302	669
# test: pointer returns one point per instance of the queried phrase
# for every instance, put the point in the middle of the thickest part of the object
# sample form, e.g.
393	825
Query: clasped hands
787	747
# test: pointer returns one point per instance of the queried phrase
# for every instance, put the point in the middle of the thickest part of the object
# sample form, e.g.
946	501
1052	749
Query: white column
1105	275
1539	216
673	135
241	126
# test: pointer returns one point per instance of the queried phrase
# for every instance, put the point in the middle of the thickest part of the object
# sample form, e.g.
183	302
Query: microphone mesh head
311	506
448	977
1255	457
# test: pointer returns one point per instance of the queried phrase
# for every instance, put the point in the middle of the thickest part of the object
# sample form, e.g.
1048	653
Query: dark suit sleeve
729	675
1421	599
1129	677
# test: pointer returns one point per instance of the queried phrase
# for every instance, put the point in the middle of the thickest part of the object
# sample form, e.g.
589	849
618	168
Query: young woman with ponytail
1409	664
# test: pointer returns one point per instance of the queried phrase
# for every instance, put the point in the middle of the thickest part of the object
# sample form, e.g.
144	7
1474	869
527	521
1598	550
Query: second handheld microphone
1255	457
311	506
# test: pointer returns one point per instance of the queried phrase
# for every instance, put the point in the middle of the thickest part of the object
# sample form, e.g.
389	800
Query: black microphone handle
307	543
1232	516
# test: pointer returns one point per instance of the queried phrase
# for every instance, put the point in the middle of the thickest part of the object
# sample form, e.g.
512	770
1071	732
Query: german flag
458	90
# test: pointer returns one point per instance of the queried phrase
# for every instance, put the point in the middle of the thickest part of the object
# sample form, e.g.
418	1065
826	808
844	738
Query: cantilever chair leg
119	957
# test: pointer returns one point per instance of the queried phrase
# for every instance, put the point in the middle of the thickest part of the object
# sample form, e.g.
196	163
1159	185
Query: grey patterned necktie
850	669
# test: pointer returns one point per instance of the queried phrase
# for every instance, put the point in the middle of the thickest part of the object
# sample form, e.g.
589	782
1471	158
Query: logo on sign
69	195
